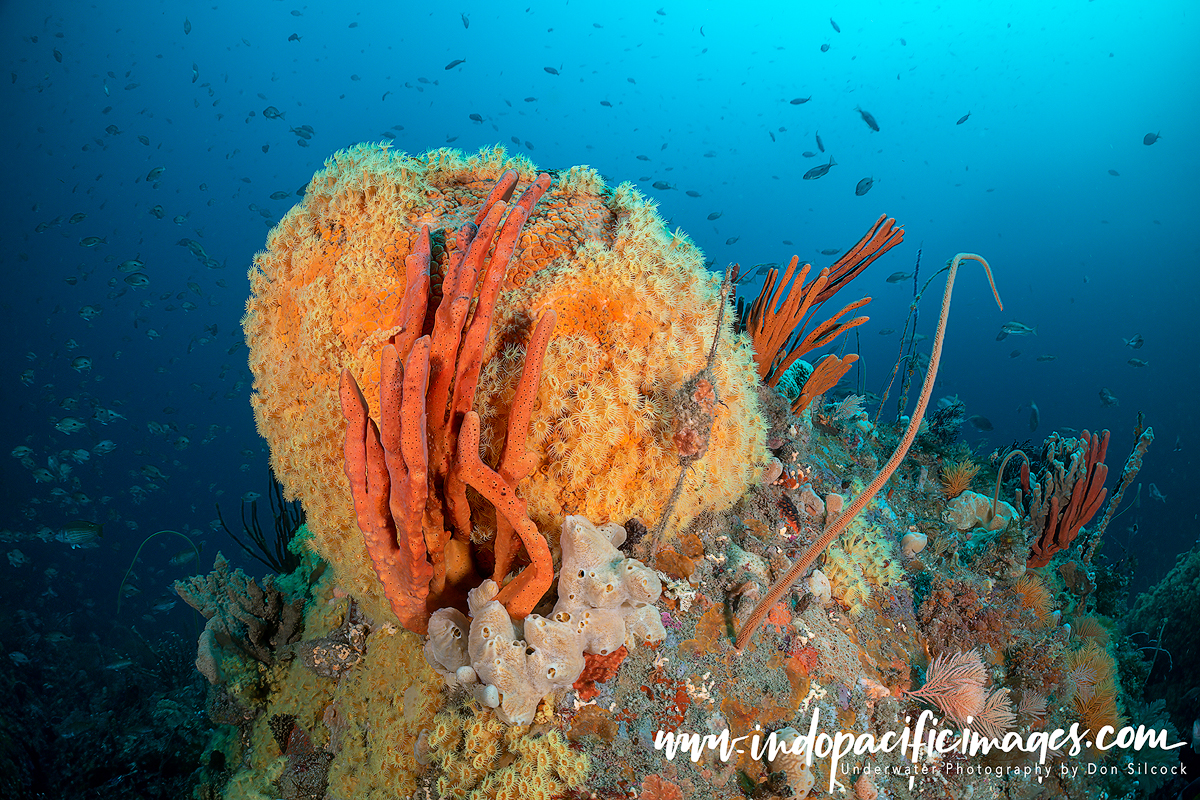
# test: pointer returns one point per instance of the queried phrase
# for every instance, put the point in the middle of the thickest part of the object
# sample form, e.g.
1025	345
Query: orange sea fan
1091	627
957	477
1100	708
1088	669
1034	595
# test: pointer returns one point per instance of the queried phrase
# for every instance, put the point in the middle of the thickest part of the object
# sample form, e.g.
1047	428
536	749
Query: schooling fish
817	172
897	277
80	532
1034	417
835	25
1015	328
1136	342
759	269
963	119
1108	399
981	423
799	101
864	186
867	118
1150	138
1137	362
820	144
455	63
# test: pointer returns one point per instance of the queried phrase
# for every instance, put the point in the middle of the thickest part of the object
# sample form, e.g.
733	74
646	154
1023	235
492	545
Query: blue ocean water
1089	230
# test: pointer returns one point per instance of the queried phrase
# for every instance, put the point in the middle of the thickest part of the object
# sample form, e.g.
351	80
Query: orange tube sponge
637	314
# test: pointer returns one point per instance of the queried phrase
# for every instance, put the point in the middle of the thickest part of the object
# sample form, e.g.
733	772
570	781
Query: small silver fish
80	532
1015	328
70	425
868	118
817	172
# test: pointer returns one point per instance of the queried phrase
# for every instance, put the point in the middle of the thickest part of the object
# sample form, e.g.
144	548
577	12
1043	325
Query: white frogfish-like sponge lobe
641	583
492	643
604	602
794	766
556	660
972	510
446	647
643	625
601	630
596	574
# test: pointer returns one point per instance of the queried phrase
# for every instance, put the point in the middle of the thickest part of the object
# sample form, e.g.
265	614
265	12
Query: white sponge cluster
605	600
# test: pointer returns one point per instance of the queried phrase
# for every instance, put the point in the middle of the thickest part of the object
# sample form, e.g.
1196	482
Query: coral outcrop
919	604
257	621
636	311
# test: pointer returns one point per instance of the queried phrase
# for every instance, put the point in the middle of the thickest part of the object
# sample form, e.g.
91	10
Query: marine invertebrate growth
833	531
1069	494
408	487
604	605
955	685
777	327
636	319
957	477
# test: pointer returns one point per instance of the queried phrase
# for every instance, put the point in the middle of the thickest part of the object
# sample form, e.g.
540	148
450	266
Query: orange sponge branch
408	476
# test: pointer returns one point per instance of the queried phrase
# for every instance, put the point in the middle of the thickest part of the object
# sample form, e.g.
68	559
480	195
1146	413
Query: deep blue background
1058	97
